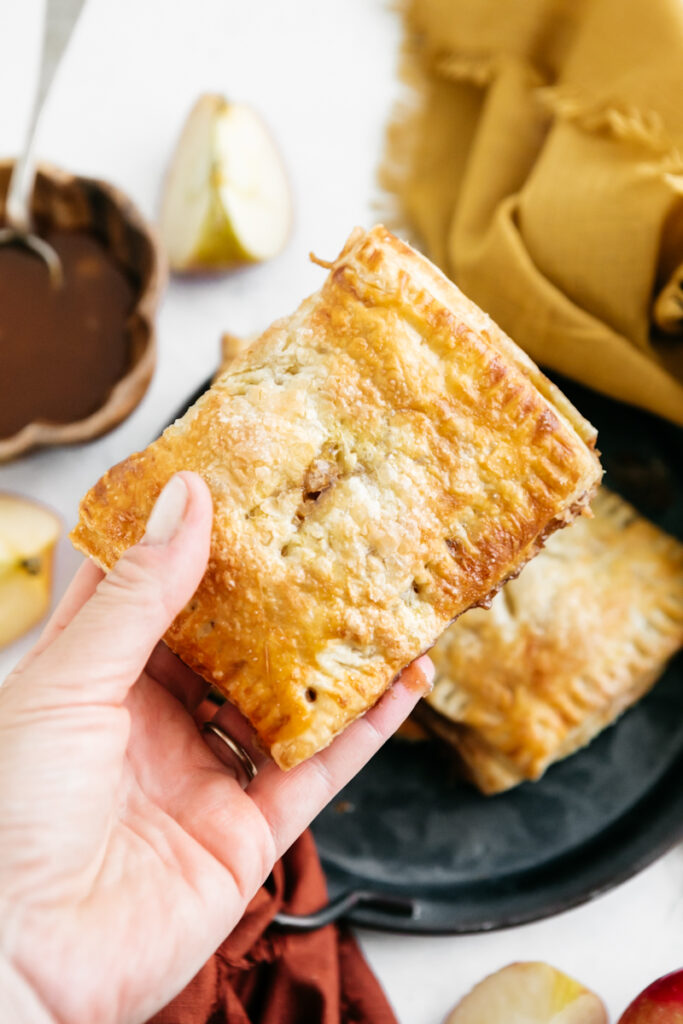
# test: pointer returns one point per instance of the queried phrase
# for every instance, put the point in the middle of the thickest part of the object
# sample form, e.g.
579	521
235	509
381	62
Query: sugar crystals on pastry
379	461
581	635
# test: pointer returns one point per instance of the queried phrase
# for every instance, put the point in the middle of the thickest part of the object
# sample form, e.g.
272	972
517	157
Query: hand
128	851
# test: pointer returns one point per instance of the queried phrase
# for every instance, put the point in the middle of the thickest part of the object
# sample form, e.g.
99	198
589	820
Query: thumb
101	653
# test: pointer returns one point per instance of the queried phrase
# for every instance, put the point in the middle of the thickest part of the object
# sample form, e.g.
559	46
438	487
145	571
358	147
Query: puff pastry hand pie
581	635
380	461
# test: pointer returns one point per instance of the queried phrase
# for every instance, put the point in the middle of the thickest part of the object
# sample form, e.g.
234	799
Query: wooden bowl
69	202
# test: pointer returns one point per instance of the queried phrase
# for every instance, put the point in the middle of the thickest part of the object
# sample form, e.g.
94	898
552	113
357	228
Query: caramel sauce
61	349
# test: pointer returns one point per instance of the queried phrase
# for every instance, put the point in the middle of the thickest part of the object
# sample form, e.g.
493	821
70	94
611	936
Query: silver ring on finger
243	758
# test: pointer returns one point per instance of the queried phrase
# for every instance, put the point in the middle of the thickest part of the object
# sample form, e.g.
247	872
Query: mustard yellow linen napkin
539	156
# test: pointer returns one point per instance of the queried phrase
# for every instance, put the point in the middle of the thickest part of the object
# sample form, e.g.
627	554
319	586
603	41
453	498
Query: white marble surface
322	74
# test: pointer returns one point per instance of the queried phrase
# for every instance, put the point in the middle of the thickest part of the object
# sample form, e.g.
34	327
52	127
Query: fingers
77	593
98	656
178	771
247	831
172	673
80	590
290	800
236	725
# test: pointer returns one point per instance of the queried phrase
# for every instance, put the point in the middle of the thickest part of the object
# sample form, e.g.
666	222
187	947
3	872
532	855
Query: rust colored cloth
261	975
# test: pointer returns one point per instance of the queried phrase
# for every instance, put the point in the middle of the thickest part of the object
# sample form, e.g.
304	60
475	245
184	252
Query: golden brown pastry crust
579	637
379	462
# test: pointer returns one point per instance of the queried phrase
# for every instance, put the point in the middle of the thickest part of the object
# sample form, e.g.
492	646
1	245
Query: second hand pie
380	461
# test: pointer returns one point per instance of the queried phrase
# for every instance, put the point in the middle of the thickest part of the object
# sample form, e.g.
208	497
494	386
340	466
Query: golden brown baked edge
621	641
114	512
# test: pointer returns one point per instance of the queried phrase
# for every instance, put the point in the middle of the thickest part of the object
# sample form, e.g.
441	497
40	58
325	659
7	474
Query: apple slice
660	1002
529	993
227	198
28	534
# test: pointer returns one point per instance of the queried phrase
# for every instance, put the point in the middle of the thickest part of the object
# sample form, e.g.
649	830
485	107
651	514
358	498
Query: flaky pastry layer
581	635
379	461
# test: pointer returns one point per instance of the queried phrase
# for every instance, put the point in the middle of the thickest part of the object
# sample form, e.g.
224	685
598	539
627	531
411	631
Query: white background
323	76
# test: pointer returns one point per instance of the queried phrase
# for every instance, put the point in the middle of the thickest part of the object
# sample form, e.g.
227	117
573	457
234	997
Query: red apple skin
660	1003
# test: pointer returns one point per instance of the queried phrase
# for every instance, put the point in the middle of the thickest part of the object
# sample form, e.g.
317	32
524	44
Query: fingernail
167	515
418	677
427	670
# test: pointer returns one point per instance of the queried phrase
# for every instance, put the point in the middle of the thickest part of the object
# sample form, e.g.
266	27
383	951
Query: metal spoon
60	17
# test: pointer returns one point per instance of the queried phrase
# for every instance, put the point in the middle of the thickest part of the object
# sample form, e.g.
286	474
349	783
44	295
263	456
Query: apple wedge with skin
226	200
529	993
28	534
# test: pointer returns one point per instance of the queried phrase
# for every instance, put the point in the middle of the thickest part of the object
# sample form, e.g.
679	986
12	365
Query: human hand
128	851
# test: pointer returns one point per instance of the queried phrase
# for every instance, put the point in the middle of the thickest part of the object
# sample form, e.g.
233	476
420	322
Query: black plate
407	847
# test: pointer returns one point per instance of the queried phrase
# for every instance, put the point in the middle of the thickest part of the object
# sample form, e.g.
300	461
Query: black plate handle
342	905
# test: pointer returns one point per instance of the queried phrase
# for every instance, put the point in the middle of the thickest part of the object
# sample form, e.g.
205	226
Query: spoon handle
60	18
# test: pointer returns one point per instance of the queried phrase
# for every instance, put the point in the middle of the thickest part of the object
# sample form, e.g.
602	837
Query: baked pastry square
579	637
379	461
